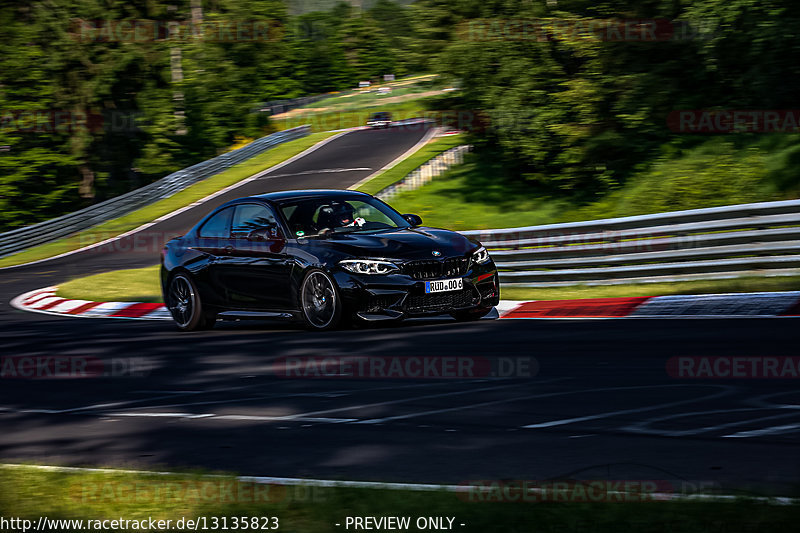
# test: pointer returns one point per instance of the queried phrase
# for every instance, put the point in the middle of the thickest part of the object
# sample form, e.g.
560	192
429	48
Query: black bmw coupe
324	257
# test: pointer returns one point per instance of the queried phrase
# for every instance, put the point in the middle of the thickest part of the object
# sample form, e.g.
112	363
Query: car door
214	240
257	272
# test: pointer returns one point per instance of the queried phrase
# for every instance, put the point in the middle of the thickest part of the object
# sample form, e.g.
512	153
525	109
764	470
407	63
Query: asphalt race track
594	399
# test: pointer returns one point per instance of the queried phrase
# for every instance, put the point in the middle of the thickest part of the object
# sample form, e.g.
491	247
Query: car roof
284	196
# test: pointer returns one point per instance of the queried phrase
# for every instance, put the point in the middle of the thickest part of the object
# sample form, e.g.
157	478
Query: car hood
411	243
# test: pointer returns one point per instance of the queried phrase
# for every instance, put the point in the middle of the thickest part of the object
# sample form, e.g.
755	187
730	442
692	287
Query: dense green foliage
89	110
573	112
563	105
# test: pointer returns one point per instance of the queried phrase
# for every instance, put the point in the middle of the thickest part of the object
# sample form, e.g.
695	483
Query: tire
185	306
320	303
469	315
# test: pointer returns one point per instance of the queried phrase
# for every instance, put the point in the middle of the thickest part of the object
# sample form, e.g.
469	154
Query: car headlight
368	266
480	255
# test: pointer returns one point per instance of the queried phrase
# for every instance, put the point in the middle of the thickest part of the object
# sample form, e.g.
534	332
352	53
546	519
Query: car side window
218	226
249	217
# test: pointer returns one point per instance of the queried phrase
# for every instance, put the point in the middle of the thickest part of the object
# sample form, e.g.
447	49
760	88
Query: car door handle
228	249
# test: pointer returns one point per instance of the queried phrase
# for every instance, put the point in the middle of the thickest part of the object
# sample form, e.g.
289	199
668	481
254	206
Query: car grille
440	301
434	268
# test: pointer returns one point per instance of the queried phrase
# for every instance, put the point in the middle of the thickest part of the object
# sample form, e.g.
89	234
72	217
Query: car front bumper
394	296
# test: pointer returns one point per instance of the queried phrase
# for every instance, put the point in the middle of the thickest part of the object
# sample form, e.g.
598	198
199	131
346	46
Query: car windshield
314	216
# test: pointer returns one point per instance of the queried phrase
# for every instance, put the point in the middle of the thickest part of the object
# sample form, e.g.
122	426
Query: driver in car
340	215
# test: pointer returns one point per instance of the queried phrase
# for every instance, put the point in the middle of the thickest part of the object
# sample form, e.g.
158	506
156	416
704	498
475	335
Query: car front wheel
319	301
185	306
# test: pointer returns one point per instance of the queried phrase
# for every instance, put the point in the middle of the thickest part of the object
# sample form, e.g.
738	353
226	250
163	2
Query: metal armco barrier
759	239
19	239
432	168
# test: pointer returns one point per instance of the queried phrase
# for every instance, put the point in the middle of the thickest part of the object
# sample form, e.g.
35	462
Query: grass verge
142	285
417	159
130	285
350	118
153	211
30	494
480	194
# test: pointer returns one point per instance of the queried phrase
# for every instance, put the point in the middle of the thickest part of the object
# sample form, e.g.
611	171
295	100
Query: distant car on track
323	257
381	119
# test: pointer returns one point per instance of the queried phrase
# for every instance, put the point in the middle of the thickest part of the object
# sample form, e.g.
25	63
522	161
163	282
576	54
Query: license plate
444	285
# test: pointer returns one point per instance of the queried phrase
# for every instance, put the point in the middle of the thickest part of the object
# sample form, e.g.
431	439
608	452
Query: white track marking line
120	403
420	487
609	414
330	394
215	416
761	400
274	418
446	410
402	400
190	206
171	394
641	426
460	407
774	430
425	138
320	171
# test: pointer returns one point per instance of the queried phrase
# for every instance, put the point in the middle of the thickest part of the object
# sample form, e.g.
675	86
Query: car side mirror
414	220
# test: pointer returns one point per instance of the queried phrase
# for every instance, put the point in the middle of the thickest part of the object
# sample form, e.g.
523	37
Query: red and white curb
46	301
754	305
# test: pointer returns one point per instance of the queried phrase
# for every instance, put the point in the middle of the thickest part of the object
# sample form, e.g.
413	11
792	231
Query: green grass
183	198
474	196
721	171
30	494
352	109
357	99
142	285
132	285
400	170
749	284
350	118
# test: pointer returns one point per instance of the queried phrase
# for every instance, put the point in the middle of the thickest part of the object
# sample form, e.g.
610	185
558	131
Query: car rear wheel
319	301
185	306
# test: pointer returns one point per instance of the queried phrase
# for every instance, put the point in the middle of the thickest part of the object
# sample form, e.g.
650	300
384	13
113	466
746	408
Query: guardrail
19	239
759	239
425	173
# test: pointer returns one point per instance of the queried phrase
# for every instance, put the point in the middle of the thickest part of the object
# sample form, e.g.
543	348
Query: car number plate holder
444	285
